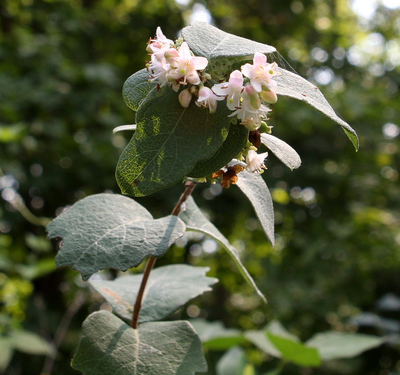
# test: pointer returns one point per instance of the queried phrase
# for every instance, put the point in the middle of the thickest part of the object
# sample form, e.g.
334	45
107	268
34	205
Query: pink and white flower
231	90
255	162
184	66
159	45
158	71
261	73
207	99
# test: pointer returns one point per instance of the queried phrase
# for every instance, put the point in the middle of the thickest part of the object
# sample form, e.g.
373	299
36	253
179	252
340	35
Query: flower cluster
248	92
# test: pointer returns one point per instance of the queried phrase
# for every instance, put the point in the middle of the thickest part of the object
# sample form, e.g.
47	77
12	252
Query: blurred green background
336	262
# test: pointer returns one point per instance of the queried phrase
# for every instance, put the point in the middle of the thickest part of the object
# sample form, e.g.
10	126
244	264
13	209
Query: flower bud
185	97
269	96
253	95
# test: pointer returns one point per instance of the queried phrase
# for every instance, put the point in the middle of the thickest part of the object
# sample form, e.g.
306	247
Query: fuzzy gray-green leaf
168	289
196	221
110	346
111	231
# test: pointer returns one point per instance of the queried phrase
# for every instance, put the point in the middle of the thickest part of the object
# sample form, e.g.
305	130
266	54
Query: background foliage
62	67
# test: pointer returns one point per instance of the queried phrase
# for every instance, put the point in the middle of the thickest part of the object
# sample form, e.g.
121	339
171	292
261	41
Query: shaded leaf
295	351
232	146
255	188
233	362
136	88
295	86
285	153
168	288
111	231
334	345
196	221
168	142
6	350
110	346
215	336
211	42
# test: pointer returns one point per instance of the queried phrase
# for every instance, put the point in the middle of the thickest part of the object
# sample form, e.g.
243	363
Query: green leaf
255	188
295	351
285	153
12	133
334	345
136	88
232	146
233	362
111	231
167	290
6	350
213	43
294	86
31	343
168	142
196	221
110	346
215	336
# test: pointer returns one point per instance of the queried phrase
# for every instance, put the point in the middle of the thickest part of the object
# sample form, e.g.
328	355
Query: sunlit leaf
168	288
168	142
30	342
233	362
6	350
196	221
295	86
334	345
285	153
110	346
111	231
255	188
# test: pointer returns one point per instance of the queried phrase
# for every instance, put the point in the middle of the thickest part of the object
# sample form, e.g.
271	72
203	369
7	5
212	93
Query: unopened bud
254	98
185	97
269	96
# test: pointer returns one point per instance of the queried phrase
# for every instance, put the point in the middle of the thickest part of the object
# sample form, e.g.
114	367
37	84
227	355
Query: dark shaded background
62	67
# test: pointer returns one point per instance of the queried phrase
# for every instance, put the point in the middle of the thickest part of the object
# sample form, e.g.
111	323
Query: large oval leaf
167	290
136	88
233	145
211	42
111	231
110	346
295	86
168	142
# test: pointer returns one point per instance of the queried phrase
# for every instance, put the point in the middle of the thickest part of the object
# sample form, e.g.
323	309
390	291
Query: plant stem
152	261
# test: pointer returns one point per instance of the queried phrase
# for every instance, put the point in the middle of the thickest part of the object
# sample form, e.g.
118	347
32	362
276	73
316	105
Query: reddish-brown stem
151	261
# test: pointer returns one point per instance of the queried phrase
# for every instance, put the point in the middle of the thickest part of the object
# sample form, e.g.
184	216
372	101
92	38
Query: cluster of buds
248	92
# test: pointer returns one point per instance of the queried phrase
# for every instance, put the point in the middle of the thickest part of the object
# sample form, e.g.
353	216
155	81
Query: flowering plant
202	107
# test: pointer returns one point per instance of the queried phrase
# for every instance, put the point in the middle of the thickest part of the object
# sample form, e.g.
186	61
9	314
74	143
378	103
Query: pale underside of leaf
110	346
285	153
196	221
256	190
211	42
168	288
111	231
295	86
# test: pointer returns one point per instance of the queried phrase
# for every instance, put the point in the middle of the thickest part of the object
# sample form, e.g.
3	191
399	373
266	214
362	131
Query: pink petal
260	59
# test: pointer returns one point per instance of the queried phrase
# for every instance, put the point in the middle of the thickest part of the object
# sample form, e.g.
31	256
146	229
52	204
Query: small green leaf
295	351
215	336
295	86
232	146
233	362
196	221
110	346
12	133
111	231
167	290
31	343
136	88
168	142
211	42
334	345
285	153
255	188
